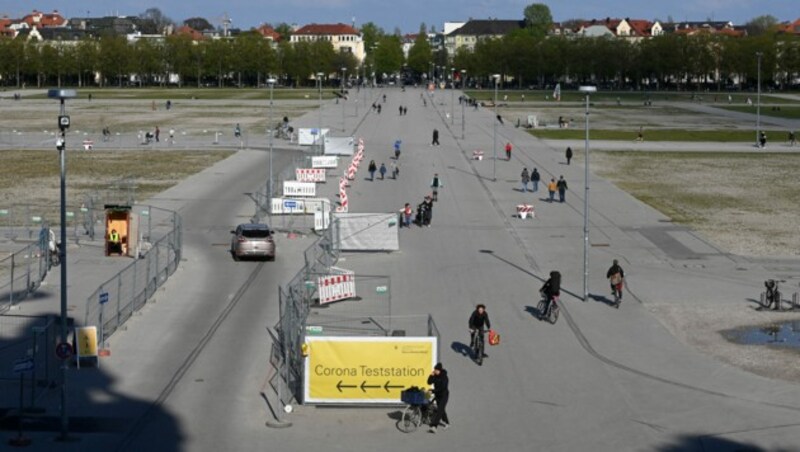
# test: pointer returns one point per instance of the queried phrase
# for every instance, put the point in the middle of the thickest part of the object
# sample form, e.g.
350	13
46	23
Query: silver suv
252	240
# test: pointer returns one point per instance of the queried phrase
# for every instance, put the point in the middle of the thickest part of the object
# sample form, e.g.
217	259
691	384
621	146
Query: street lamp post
587	90
463	101
452	95
270	191
319	140
61	145
341	88
758	99
494	160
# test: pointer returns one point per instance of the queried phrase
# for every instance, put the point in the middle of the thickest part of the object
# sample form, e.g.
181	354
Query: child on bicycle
616	275
478	322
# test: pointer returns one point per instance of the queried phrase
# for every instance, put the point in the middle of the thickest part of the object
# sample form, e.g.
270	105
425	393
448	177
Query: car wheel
235	256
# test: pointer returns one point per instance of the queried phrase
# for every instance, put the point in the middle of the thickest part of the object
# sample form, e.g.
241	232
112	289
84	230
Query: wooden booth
121	231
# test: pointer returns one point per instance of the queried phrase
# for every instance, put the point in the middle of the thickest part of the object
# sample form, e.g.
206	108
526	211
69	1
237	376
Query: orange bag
494	337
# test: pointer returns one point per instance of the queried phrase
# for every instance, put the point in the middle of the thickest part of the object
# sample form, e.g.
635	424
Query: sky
407	15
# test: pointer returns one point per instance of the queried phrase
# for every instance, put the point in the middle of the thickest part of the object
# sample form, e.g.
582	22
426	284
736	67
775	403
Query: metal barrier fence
129	290
22	273
33	338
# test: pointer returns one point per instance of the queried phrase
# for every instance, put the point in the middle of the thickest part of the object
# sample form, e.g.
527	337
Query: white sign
308	137
314	205
310	174
292	188
324	161
322	220
288	206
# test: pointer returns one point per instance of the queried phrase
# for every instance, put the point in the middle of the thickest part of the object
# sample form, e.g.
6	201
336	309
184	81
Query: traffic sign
64	350
22	365
364	370
103	297
289	204
381	289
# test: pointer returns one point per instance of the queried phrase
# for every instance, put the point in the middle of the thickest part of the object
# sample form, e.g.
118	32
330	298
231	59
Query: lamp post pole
452	95
320	140
341	88
758	99
270	191
61	145
494	122
463	101
587	90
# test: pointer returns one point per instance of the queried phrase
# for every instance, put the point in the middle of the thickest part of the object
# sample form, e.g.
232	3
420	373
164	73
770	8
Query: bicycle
420	409
548	311
477	346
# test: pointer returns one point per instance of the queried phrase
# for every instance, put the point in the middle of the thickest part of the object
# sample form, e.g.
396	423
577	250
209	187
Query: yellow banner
87	341
366	369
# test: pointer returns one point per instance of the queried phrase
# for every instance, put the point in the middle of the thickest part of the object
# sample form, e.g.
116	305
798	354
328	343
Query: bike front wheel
410	419
554	311
479	351
540	309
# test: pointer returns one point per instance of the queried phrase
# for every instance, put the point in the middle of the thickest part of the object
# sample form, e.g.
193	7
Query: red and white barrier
336	287
310	174
88	145
523	210
477	155
343	204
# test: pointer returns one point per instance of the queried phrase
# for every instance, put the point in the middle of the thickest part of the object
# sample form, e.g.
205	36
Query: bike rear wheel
479	349
540	309
410	419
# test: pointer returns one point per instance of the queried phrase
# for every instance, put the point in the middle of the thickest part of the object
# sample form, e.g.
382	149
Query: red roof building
41	20
269	33
191	32
344	38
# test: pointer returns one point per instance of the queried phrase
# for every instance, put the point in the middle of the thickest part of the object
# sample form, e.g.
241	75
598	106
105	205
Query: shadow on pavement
461	348
689	443
99	417
602	299
534	312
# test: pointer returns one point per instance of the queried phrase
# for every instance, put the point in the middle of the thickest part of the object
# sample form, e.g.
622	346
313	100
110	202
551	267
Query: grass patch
723	136
164	94
789	112
32	177
625	97
745	202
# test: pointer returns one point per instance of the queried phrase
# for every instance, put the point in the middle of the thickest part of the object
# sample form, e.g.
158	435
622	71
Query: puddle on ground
784	334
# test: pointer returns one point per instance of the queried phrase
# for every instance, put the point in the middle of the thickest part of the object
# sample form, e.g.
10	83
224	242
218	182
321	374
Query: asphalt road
188	372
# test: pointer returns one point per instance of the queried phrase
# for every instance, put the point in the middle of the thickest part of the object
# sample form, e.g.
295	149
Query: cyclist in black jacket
478	321
551	288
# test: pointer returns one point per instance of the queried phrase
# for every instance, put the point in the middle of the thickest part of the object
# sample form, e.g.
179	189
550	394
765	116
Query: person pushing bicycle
616	276
478	322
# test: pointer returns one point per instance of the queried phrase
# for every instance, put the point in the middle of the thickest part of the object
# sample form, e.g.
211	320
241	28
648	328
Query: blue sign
103	297
23	365
289	204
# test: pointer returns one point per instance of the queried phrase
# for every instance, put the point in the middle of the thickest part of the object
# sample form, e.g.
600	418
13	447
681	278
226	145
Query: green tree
420	55
86	58
199	24
283	29
538	18
145	61
113	58
761	25
388	56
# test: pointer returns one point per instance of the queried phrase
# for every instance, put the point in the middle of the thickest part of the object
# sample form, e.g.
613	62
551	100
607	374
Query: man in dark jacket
562	188
551	289
615	275
569	154
478	321
438	378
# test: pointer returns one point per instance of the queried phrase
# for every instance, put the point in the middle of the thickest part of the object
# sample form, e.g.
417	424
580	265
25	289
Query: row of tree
527	58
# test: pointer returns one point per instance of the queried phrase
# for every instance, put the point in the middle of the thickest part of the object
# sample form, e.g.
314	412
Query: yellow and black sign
87	341
365	369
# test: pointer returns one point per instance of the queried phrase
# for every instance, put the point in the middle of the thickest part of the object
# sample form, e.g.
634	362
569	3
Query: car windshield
256	233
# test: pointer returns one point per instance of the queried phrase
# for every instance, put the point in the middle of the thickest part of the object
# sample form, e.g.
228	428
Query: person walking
569	154
395	169
762	139
237	131
158	132
407	215
171	136
440	381
508	151
525	178
792	139
382	170
372	168
435	141
397	144
436	184
535	177
551	189
562	188
428	214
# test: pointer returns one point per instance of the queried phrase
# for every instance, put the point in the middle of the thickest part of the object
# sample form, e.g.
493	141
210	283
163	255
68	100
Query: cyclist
616	275
551	289
477	321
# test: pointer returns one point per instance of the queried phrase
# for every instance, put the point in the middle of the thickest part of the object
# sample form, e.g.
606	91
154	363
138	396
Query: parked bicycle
420	409
549	311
